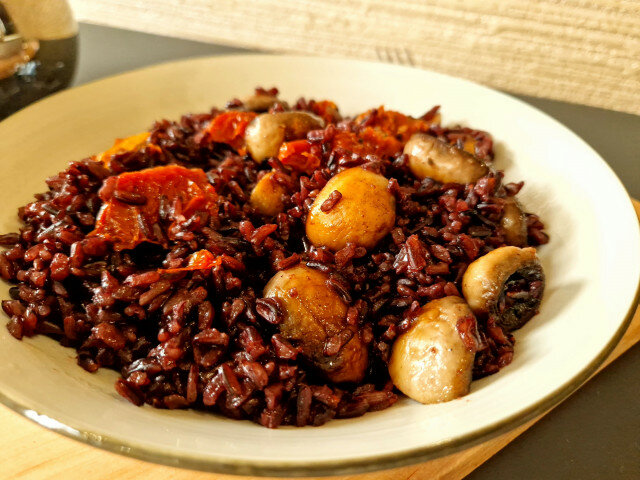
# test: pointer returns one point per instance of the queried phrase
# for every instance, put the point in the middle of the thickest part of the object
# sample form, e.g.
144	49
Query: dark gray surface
595	434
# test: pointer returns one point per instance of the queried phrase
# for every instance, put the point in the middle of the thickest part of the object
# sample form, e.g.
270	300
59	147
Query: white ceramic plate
592	266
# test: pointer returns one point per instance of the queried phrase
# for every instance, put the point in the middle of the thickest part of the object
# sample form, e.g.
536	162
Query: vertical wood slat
571	50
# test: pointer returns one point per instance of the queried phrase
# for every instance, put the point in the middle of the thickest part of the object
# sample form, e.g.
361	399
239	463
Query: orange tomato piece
200	260
352	143
368	141
229	128
380	142
301	155
393	123
327	110
122	145
132	203
380	132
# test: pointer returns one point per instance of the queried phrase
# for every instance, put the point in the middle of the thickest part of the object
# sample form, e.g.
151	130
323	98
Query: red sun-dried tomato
229	128
386	131
123	145
393	123
200	260
326	109
132	200
301	155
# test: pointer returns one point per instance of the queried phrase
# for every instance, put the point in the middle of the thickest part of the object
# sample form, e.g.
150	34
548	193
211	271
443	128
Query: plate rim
327	467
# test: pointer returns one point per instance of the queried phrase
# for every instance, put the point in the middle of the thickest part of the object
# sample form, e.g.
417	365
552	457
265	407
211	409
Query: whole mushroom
355	206
268	131
444	163
433	361
506	283
314	314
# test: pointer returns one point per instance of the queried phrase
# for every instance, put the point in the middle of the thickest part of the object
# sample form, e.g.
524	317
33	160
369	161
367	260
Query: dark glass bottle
32	63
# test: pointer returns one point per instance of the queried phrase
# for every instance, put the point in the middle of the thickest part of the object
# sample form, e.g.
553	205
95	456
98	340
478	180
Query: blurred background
571	50
581	52
38	50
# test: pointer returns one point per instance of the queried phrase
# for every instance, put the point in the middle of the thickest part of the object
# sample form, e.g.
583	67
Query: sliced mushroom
314	315
506	283
514	223
266	132
431	362
266	196
433	158
363	214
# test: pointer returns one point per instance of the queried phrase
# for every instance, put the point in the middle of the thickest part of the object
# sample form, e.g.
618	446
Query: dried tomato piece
368	141
327	110
301	155
123	145
381	142
348	141
393	123
229	128
387	131
200	260
132	202
381	132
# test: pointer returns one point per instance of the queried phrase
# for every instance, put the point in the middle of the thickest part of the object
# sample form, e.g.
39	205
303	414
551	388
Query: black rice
207	339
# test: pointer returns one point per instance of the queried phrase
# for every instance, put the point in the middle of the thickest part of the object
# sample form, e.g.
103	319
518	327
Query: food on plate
313	313
507	284
267	132
281	262
355	207
432	158
514	223
432	362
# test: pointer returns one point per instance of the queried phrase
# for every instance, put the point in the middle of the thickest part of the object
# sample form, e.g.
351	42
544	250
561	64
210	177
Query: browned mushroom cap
266	196
514	223
259	102
506	283
365	210
431	362
433	158
314	315
266	132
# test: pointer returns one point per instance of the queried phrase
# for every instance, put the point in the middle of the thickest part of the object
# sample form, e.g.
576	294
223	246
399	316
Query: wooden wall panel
584	52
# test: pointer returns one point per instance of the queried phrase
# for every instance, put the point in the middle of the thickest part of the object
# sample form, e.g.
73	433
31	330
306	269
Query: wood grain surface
571	50
31	452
